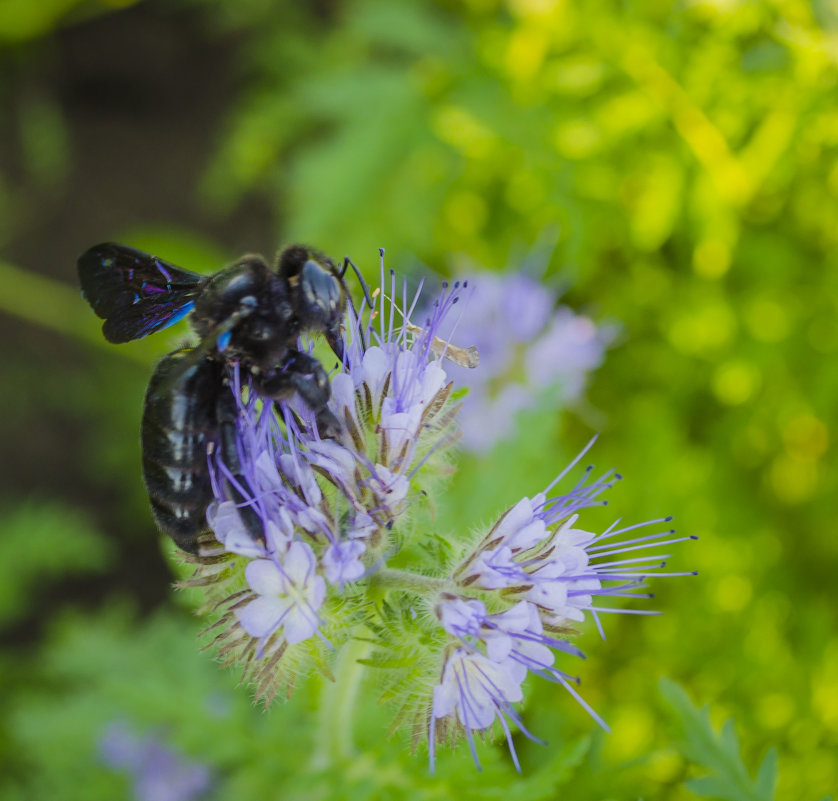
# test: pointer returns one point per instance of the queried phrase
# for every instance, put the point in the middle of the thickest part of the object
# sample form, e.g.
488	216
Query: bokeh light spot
703	328
665	766
733	592
735	382
525	52
631	731
577	139
806	437
825	686
711	258
767	319
576	75
459	128
466	212
534	8
775	710
825	699
792	479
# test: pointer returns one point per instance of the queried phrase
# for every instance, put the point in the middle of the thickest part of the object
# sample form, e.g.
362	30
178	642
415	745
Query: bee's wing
146	316
134	292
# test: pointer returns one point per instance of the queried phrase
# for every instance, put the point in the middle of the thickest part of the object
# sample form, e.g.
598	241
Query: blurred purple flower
159	772
528	348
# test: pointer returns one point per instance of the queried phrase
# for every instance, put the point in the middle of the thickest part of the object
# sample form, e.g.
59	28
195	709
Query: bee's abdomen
179	423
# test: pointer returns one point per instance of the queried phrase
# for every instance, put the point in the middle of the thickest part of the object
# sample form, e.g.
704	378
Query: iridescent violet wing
136	293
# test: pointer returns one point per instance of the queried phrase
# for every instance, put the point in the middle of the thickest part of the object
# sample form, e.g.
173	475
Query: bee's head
315	288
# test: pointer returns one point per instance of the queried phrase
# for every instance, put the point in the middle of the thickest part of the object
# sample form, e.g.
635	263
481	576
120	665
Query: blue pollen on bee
224	341
176	318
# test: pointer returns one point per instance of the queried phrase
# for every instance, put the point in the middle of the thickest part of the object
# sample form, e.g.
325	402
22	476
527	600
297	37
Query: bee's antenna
347	262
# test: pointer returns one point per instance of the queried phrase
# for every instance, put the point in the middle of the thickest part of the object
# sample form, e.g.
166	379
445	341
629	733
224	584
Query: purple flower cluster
536	559
528	348
334	512
329	508
486	664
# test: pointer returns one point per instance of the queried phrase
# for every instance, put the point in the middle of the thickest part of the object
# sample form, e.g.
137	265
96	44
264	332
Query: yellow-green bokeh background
686	155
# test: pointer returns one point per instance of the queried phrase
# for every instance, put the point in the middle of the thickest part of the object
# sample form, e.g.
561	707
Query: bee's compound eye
321	288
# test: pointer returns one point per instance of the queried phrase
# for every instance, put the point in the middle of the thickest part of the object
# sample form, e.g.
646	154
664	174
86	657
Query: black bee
246	314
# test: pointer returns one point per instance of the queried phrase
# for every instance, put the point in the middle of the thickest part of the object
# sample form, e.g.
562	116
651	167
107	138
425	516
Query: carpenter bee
246	314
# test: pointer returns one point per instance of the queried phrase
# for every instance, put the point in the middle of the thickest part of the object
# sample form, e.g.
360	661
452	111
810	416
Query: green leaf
718	754
767	774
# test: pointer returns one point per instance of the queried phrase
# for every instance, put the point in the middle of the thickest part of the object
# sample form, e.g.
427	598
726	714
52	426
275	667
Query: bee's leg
226	412
303	374
334	336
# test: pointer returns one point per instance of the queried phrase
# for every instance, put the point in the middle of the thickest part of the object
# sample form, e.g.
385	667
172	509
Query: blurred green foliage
98	669
687	154
38	542
728	777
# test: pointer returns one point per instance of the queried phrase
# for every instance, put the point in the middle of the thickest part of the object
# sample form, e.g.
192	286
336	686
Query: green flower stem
387	578
334	741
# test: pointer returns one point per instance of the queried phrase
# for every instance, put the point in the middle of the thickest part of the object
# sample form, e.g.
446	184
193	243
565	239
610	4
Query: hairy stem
334	741
411	582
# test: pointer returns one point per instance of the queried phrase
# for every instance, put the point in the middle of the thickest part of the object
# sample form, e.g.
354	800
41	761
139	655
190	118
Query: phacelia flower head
545	572
300	518
484	670
321	541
